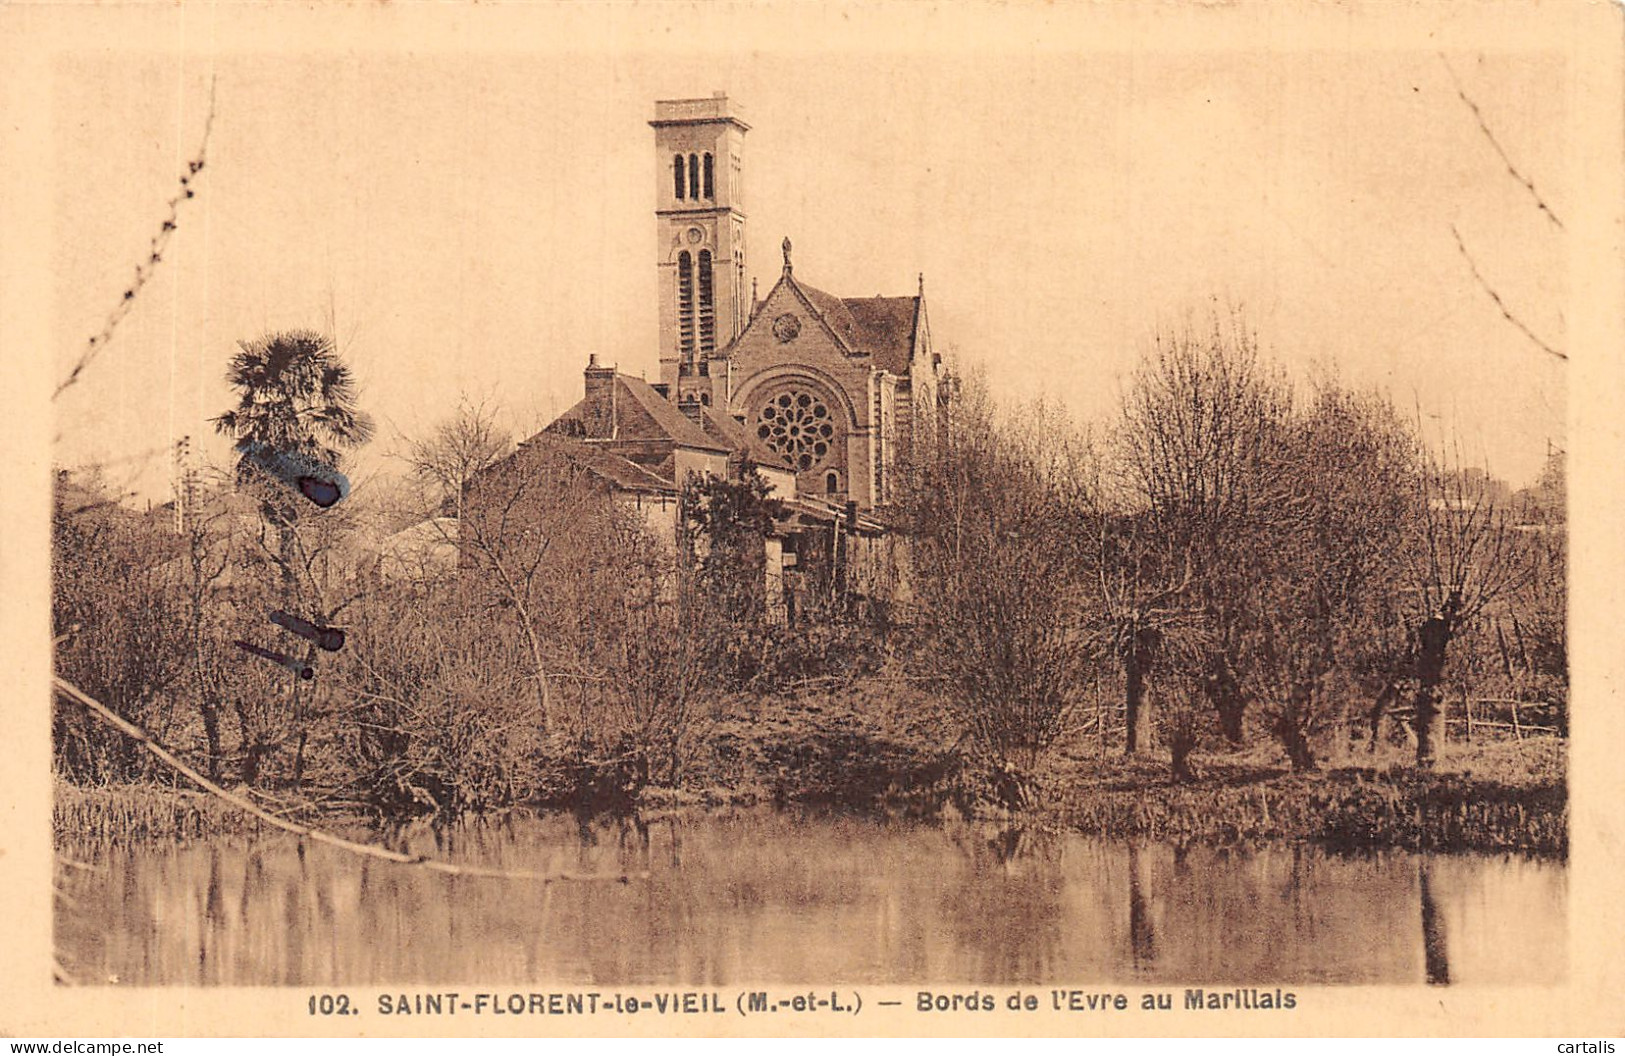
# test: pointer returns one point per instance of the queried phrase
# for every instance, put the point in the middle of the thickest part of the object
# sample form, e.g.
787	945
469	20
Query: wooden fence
1469	721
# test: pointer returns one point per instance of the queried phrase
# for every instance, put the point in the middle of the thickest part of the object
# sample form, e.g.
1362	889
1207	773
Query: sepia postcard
784	519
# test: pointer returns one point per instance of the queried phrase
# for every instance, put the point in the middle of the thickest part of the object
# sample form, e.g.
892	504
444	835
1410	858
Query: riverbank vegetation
1251	607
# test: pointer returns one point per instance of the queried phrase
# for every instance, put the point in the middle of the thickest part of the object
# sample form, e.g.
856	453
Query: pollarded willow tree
1330	538
1199	420
1467	551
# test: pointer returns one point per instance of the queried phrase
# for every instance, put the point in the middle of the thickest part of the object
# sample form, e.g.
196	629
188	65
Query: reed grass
1497	800
131	813
839	748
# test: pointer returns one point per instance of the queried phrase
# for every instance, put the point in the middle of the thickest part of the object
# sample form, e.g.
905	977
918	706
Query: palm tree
295	397
294	394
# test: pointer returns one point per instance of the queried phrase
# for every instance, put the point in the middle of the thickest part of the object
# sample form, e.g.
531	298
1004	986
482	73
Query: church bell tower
700	223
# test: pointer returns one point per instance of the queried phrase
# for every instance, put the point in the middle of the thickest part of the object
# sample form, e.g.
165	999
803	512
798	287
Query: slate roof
623	473
728	430
835	313
886	326
643	414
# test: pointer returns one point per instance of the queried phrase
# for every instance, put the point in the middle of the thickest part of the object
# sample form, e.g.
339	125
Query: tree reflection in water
1142	936
761	895
1434	955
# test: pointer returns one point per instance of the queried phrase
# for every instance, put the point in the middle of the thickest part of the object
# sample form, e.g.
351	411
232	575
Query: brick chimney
598	412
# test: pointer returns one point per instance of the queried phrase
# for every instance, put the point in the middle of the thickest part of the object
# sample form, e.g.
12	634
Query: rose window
798	426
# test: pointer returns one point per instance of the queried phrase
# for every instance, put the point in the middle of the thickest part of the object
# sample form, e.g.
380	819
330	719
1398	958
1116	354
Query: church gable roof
834	313
883	328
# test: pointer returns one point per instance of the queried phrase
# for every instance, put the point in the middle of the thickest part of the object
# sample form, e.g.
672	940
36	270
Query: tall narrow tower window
679	179
685	305
708	315
710	191
693	176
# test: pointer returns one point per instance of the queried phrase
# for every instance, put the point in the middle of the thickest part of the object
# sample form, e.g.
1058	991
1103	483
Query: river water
765	896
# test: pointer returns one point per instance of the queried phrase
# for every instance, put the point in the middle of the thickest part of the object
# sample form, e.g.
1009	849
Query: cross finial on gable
786	248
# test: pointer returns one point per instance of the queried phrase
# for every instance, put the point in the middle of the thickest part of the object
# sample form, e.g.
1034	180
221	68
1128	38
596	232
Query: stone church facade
833	386
823	396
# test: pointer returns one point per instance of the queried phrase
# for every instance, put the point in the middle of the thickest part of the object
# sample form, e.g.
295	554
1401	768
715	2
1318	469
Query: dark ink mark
321	492
303	670
320	483
329	638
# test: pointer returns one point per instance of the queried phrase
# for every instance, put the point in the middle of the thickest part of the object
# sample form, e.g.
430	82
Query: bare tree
459	449
1344	472
117	625
1198	422
208	534
1466	552
1534	643
536	527
996	510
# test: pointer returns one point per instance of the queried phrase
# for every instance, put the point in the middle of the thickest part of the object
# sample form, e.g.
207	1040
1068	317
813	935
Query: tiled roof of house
641	414
672	423
722	427
595	458
741	440
623	473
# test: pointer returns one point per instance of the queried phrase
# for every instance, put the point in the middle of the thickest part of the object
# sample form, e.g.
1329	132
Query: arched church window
710	191
708	315
685	303
832	483
705	399
693	176
679	178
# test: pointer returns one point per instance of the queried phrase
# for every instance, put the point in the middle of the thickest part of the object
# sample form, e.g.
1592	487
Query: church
831	385
822	395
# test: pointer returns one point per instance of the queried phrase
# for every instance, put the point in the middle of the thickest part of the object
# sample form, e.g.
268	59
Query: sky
473	222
